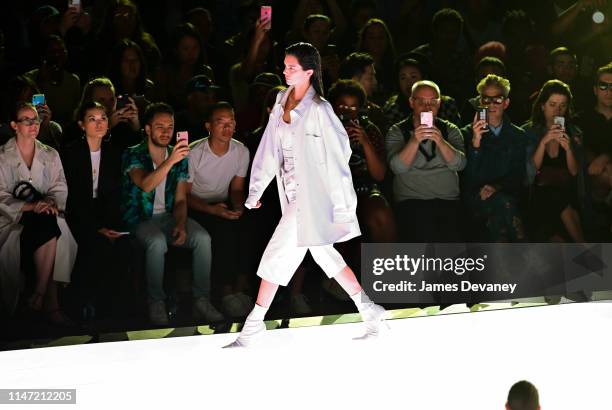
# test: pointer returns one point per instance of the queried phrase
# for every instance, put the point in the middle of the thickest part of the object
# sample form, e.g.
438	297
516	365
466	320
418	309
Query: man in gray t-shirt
217	169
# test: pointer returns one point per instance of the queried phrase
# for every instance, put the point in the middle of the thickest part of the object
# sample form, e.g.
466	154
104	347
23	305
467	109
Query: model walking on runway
307	149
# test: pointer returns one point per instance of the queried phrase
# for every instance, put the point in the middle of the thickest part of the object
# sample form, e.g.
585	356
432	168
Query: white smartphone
182	135
427	118
560	121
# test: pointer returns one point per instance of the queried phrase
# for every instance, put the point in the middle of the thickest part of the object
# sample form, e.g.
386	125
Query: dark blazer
82	215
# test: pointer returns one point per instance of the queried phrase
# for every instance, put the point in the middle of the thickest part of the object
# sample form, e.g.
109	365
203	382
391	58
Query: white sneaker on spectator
157	313
204	310
233	306
299	304
247	302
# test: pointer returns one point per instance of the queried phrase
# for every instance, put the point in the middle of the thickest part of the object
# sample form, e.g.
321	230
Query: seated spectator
60	87
21	89
563	66
217	167
201	94
185	59
128	73
367	160
523	396
397	108
375	40
259	58
123	120
123	21
154	208
555	155
34	237
93	174
317	31
425	161
360	67
447	54
484	67
249	118
203	22
597	126
496	163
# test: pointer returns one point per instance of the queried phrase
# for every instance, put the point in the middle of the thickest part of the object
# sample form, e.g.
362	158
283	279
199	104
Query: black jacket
82	215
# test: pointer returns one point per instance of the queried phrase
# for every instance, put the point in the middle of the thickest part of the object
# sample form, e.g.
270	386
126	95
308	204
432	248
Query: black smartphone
122	101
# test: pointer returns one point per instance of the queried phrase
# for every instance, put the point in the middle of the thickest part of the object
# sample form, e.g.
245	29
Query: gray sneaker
204	310
157	313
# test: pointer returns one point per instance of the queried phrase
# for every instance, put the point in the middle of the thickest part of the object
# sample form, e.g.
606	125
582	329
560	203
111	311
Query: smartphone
182	135
123	233
483	114
122	101
75	4
38	99
427	118
560	121
330	50
266	14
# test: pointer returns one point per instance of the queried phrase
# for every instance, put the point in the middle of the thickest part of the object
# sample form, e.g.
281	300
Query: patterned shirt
136	204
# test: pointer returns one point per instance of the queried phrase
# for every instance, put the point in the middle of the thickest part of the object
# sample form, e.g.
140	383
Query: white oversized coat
47	176
325	198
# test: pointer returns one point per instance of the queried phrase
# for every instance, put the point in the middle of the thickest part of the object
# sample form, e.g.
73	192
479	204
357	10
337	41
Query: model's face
95	123
425	99
294	73
161	129
221	125
188	50
368	80
493	98
27	124
407	77
555	106
564	68
130	64
603	90
106	97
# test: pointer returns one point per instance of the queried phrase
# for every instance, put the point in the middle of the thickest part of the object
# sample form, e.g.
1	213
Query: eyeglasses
29	121
487	99
603	86
426	101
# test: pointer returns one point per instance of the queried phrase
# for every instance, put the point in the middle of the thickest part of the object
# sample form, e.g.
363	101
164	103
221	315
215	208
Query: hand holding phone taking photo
560	121
427	118
182	136
266	14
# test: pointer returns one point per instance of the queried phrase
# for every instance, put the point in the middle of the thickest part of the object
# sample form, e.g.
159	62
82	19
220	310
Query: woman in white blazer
31	228
307	149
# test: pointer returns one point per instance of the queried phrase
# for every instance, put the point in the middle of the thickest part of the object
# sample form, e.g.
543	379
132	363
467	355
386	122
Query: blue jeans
155	234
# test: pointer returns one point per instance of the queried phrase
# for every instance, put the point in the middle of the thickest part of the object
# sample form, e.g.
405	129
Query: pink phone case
266	14
182	135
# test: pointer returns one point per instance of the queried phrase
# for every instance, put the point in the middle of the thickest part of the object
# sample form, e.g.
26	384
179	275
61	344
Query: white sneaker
157	313
251	330
204	310
233	306
299	304
373	315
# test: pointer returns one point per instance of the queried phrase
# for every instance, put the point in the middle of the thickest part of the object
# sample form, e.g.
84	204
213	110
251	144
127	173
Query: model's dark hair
347	87
88	105
154	109
310	59
549	88
523	395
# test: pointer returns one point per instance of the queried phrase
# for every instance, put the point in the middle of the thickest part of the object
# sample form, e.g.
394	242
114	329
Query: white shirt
211	174
287	135
159	203
95	170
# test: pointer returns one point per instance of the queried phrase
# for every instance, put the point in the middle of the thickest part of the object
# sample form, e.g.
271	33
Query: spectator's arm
337	17
180	203
401	155
237	194
453	149
247	67
58	189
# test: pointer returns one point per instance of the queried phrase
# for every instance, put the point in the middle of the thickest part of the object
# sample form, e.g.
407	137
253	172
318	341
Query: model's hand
180	235
109	233
251	206
486	191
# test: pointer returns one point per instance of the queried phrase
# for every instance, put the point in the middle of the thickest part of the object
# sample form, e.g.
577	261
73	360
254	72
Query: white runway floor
445	362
